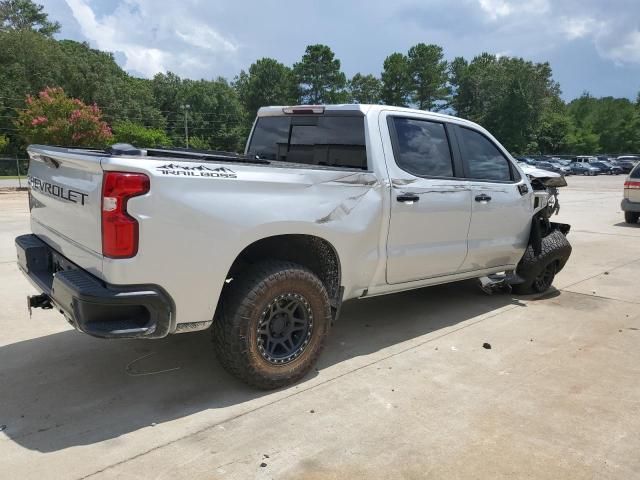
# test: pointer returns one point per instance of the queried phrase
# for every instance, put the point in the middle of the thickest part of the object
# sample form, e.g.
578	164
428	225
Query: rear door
430	203
65	201
501	203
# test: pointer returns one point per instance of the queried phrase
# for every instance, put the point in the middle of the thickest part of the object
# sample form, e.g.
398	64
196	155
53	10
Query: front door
501	203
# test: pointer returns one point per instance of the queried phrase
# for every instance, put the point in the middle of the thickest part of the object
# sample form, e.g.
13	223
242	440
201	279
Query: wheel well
312	252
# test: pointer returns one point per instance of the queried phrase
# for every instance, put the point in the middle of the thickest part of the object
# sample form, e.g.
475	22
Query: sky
592	45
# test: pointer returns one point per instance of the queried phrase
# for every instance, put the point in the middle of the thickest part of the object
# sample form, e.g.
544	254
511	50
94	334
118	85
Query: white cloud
496	9
147	34
206	38
578	27
625	50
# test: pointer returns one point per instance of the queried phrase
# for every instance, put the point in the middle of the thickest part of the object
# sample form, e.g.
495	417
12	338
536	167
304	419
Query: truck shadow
627	225
68	389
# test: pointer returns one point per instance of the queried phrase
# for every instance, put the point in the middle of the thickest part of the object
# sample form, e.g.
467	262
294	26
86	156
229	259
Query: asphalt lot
404	390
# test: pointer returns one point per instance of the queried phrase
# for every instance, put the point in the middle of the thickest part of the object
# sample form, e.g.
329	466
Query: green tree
268	82
126	131
364	89
199	143
553	132
318	76
56	119
25	15
396	80
581	141
215	114
95	77
614	121
4	143
429	76
508	96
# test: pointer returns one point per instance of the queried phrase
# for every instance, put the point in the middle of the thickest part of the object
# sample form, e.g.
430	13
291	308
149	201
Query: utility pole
186	108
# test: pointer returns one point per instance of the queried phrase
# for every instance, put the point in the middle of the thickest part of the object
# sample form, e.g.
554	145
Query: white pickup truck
328	203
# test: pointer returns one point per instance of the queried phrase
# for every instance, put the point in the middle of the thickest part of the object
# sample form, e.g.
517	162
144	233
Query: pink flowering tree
55	119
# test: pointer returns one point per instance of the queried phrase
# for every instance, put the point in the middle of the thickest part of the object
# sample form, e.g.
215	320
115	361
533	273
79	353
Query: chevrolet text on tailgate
328	203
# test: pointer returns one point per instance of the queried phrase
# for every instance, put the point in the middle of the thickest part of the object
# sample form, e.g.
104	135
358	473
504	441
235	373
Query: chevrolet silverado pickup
327	203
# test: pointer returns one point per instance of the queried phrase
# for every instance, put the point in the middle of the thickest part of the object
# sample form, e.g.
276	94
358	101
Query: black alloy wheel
285	328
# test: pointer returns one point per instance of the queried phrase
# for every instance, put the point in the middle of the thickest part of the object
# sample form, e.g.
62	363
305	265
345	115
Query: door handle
407	198
483	198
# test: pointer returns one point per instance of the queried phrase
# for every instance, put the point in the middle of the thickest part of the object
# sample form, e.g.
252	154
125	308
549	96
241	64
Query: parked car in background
560	167
629	158
543	165
584	159
606	168
631	201
625	165
578	168
613	168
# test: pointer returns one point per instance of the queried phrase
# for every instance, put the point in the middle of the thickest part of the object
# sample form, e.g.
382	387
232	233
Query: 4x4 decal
196	171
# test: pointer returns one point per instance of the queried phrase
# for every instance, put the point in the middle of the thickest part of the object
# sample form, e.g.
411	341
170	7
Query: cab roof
349	109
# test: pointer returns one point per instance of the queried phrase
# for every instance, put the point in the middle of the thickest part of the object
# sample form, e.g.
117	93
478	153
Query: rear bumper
90	305
628	206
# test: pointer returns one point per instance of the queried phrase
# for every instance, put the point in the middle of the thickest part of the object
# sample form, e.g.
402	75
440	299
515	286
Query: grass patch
11	177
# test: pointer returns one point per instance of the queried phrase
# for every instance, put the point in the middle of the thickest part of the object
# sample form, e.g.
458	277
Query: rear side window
335	141
635	173
484	160
422	148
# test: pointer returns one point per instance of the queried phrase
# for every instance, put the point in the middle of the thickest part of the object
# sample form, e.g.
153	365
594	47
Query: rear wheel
273	324
631	217
539	271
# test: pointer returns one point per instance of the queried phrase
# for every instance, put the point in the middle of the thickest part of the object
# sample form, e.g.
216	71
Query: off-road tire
235	328
538	271
631	217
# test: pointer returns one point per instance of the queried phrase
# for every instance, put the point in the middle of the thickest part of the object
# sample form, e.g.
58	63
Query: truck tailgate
65	200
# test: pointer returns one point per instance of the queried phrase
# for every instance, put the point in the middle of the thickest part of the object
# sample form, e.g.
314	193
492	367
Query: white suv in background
631	201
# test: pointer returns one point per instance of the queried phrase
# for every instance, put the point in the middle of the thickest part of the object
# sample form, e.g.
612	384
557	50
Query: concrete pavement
404	389
12	182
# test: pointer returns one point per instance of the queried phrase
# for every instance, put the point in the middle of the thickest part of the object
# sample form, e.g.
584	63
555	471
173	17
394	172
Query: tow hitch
39	301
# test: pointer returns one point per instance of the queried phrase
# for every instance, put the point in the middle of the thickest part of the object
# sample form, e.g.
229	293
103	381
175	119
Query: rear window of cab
323	140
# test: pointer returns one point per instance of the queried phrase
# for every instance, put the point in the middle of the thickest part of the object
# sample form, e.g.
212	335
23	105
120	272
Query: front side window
422	148
337	141
484	160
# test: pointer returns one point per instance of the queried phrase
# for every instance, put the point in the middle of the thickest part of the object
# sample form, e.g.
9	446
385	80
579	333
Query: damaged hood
548	179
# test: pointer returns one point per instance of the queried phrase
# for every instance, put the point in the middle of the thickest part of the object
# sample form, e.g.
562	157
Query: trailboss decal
196	171
58	191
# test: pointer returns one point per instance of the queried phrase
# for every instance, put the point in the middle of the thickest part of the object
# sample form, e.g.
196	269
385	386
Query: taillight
630	184
119	229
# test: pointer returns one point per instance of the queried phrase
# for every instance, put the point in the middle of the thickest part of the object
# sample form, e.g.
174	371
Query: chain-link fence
13	171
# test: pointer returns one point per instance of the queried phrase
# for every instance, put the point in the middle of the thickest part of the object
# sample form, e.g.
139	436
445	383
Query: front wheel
272	324
539	271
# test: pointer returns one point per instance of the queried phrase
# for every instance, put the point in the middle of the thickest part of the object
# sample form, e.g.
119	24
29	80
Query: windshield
326	140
